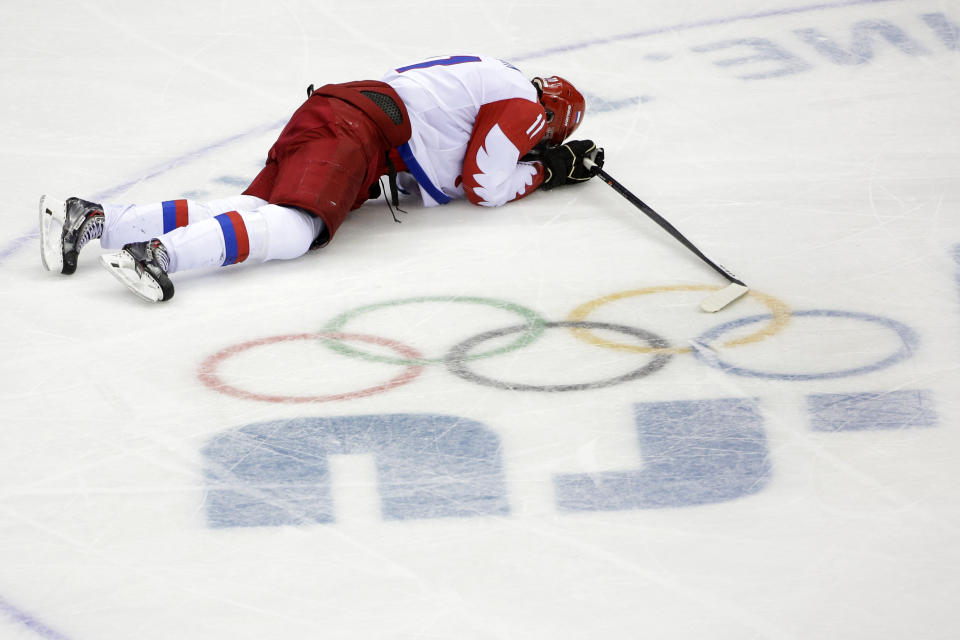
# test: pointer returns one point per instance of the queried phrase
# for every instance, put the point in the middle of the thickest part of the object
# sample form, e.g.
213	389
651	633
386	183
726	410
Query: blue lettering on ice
765	59
861	49
947	31
599	104
694	452
428	466
902	409
762	51
444	62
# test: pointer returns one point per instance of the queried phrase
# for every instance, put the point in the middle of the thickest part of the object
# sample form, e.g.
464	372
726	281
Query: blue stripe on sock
169	216
229	238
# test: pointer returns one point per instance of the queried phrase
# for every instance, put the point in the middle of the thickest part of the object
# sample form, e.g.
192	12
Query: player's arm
505	131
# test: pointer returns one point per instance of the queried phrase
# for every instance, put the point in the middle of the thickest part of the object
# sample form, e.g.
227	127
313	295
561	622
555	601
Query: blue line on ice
29	621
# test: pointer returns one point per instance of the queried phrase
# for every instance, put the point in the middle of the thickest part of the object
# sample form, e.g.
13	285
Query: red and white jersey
472	118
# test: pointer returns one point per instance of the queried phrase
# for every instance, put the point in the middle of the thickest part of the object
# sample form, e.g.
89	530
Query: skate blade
124	268
53	214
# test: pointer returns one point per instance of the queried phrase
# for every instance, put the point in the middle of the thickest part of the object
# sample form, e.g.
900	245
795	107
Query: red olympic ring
208	370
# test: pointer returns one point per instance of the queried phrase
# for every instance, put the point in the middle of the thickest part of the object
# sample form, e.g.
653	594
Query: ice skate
142	267
65	227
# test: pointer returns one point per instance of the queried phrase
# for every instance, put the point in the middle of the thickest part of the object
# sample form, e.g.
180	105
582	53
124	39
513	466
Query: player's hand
565	163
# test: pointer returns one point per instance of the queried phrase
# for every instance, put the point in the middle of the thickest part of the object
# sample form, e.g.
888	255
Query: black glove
564	163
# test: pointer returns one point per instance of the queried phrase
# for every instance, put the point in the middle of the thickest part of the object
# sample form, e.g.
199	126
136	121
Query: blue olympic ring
905	333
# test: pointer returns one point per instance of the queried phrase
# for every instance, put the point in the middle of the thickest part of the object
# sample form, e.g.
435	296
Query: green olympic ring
534	328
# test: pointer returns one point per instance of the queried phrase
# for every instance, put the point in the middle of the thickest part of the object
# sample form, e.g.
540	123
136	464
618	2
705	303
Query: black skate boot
65	227
142	267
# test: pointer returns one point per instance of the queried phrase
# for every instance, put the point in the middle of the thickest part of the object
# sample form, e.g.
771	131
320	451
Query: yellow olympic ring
780	317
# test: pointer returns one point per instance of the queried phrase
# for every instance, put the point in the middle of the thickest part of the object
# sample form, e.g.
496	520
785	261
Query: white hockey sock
139	222
271	232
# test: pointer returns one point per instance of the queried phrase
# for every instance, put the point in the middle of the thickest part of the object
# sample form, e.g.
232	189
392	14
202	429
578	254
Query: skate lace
91	230
160	256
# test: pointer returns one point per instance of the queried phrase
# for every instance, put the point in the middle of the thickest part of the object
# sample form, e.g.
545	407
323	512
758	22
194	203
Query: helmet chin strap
538	84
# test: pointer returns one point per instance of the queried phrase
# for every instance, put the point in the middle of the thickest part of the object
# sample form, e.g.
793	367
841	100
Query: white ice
787	468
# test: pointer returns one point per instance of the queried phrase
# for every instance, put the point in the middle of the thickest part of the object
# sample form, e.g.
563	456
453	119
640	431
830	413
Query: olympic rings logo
337	337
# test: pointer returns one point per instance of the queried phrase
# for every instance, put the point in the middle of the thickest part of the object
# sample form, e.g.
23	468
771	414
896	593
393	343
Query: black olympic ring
458	356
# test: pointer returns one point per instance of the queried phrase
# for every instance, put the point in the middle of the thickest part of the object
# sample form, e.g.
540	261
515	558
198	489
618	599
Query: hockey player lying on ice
460	125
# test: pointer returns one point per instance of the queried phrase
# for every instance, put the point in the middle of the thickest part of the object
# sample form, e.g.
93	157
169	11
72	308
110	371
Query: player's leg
67	226
124	224
271	232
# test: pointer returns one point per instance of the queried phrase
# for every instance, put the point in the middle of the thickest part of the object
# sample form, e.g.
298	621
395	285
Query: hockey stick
715	301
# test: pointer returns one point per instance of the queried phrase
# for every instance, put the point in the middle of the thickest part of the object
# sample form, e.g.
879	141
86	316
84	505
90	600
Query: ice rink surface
494	424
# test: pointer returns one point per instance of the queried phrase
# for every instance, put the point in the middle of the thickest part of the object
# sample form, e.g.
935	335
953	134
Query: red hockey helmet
564	104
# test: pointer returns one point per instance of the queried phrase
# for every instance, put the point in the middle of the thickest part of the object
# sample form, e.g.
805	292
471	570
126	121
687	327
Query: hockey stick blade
722	297
714	302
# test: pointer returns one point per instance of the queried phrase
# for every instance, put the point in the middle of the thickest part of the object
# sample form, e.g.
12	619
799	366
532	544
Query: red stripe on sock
243	240
182	215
